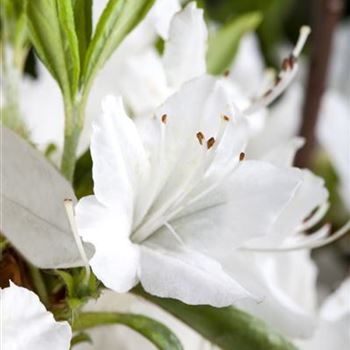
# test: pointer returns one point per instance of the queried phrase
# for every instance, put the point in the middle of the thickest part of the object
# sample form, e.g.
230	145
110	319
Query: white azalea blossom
26	324
171	197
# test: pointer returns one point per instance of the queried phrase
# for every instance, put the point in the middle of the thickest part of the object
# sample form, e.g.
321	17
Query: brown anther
278	80
226	118
226	73
286	64
210	143
241	156
200	137
267	93
164	118
291	60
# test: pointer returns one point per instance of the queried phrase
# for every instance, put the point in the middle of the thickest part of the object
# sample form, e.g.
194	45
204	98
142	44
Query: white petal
42	109
337	305
223	221
185	51
171	270
161	14
287	285
142	82
329	335
282	124
116	258
310	194
26	324
118	155
248	66
333	132
284	154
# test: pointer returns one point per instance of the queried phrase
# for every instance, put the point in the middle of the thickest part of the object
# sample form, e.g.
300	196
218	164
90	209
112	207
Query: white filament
303	35
68	204
308	243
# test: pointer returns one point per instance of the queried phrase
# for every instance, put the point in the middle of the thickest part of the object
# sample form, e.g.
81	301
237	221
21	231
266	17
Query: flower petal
310	194
26	324
118	155
337	305
222	221
116	258
168	269
288	299
185	51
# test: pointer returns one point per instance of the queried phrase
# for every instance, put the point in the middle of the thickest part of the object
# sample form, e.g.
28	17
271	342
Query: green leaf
228	327
117	20
52	32
80	338
83	183
154	331
83	25
223	45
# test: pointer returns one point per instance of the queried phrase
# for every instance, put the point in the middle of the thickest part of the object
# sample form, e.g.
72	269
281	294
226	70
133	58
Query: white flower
172	197
25	323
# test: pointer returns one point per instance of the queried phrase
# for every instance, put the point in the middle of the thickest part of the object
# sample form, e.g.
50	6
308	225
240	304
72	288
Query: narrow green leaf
68	281
154	331
83	25
52	32
83	183
80	338
117	20
223	45
228	328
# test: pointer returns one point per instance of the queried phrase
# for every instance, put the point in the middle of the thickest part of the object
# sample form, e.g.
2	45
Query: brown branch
326	16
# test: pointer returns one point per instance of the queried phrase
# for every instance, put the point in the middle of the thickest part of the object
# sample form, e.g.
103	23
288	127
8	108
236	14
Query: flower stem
327	14
74	120
39	284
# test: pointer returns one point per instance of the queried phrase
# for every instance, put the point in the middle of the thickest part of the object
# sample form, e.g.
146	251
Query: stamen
68	204
210	143
200	137
315	218
174	233
309	242
164	118
285	76
241	156
226	118
303	35
226	73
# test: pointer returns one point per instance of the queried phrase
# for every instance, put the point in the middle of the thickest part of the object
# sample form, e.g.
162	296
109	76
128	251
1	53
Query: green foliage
52	32
80	338
117	20
228	327
224	44
83	25
83	183
274	14
78	291
13	26
154	331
